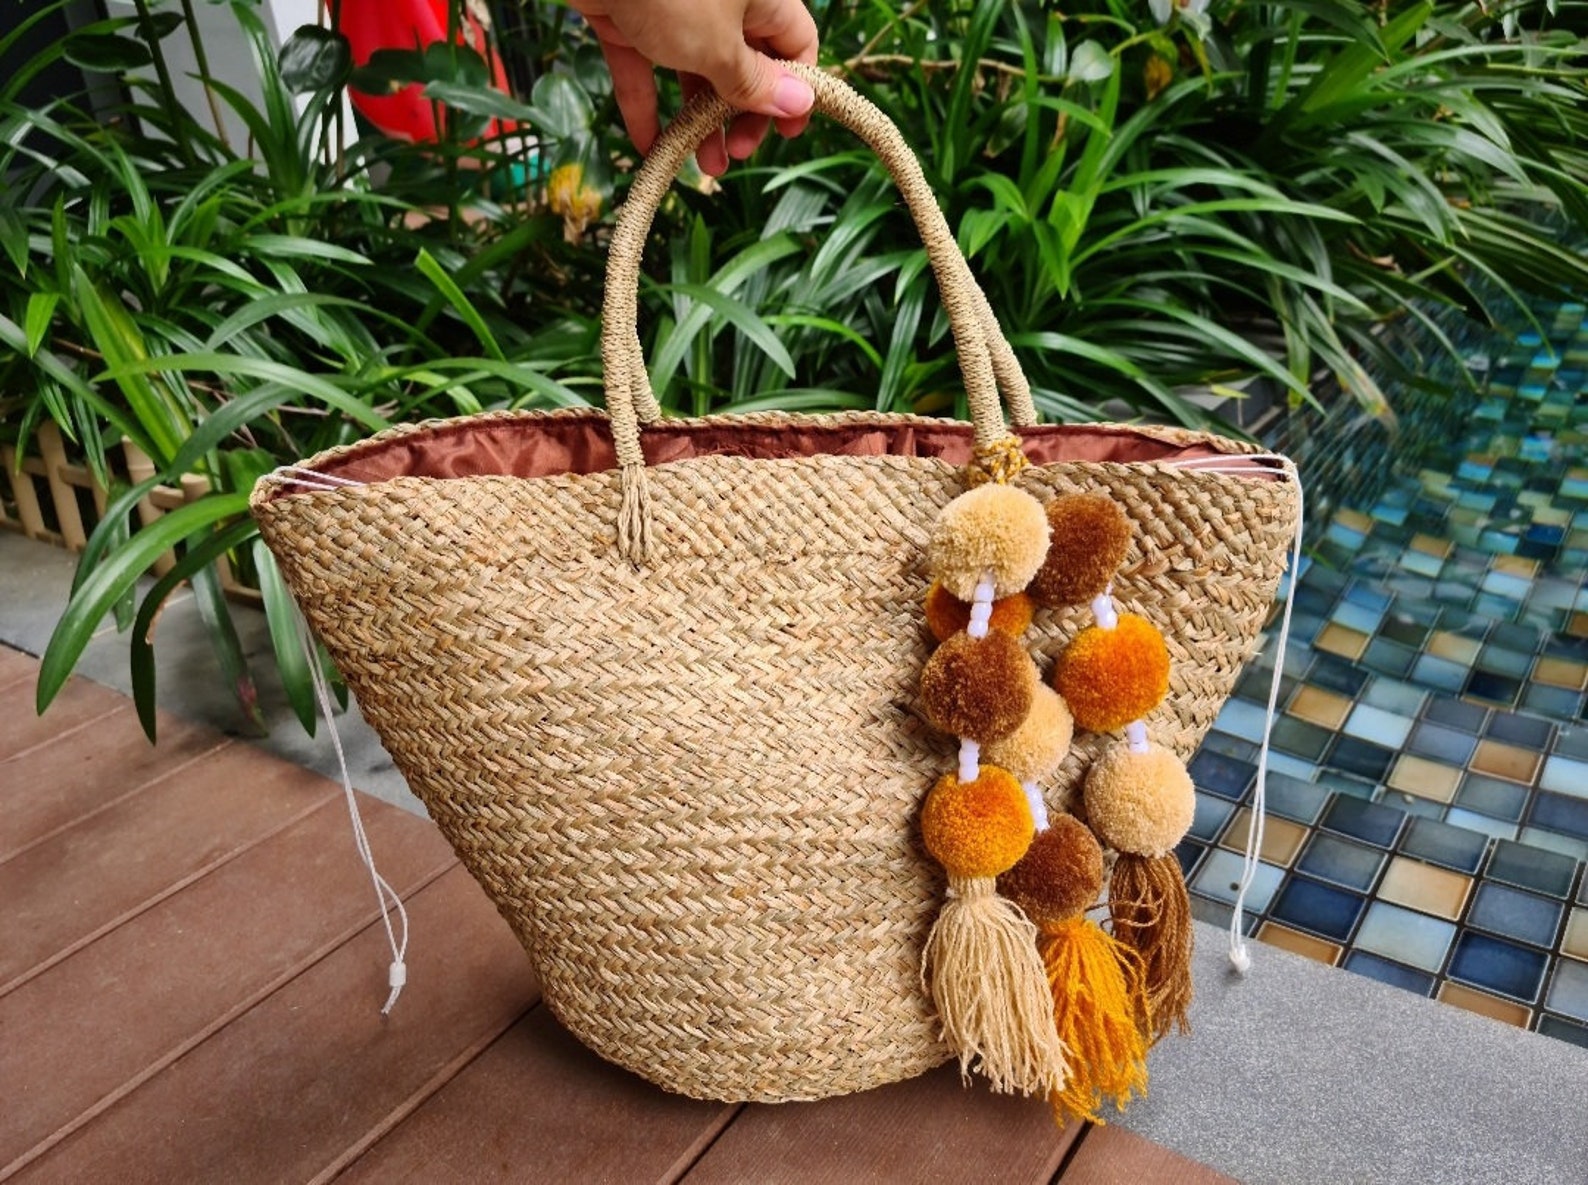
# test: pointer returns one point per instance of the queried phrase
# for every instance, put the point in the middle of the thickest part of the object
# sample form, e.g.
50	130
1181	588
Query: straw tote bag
655	679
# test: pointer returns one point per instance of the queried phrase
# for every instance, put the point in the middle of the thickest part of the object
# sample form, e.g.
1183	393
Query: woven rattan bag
656	679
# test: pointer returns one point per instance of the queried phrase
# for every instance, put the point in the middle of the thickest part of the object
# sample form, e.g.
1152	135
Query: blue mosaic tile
1515	914
1493	797
1440	843
1300	737
1394	696
1221	775
1448	745
1220	878
1242	718
1318	908
1528	732
1565	775
1362	758
1293	798
1532	868
1389	658
1495	689
1572	742
1439	673
1210	816
1336	674
1341	862
1392	973
1568	993
1556	812
1559	702
1564	1030
1457	714
1367	596
1369	821
1189	853
1405	935
1401	629
1472	821
1498	966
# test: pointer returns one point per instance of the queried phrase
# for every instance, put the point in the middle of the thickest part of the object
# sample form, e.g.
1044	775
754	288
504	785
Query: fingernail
791	96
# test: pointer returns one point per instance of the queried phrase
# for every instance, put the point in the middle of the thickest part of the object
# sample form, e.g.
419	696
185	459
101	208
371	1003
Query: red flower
370	25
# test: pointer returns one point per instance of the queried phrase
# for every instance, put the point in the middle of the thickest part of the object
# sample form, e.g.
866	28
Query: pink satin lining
580	443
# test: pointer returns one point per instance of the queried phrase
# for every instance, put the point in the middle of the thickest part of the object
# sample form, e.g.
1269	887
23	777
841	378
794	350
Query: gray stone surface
1301	1074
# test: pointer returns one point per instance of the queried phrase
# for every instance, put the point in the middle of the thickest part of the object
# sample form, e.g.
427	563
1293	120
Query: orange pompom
991	529
980	828
1060	875
947	615
1090	537
980	688
1140	802
1111	677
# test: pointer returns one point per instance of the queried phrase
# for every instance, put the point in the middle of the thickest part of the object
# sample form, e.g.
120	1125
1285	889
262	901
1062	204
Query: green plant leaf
39	316
315	58
560	108
281	614
198	560
118	572
105	53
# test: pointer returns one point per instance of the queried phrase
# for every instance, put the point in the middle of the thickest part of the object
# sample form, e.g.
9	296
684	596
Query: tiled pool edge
1298	1074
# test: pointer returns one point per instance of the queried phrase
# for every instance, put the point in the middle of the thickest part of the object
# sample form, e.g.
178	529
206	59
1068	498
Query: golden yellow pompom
980	828
979	688
1090	537
1060	875
947	615
1111	677
992	528
1139	802
1037	748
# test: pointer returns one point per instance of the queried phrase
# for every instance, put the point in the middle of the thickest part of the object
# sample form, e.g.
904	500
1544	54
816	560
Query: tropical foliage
1159	196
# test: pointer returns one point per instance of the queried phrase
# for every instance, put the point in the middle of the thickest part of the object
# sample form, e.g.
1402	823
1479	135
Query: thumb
751	81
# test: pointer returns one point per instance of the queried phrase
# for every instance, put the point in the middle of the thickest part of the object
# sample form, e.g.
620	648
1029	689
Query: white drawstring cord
397	974
1240	955
313	479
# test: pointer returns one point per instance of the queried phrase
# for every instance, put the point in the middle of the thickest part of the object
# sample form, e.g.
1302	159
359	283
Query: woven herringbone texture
692	789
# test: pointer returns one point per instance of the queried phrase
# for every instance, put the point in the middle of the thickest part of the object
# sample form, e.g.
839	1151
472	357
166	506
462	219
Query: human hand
721	43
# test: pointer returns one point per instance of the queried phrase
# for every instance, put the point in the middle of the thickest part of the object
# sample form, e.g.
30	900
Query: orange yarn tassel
1151	913
1103	1018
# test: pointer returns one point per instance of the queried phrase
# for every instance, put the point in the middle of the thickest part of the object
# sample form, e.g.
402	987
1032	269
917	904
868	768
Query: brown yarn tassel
1100	1006
1151	914
981	968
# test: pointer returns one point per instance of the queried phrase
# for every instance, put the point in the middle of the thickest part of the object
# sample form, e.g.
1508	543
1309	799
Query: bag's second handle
986	359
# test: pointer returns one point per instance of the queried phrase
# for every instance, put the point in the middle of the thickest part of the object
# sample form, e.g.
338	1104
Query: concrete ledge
1302	1074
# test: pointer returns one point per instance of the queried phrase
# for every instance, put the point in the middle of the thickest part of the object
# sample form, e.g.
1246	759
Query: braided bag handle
985	356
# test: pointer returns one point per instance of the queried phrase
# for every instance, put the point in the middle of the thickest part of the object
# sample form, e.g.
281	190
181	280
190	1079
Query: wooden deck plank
54	786
21	727
281	1092
1110	1155
930	1129
119	1010
539	1106
63	892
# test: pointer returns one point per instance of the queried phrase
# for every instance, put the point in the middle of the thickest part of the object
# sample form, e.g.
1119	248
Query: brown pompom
1090	535
977	829
1060	875
993	528
1140	802
947	615
1151	914
1037	748
1111	677
980	689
